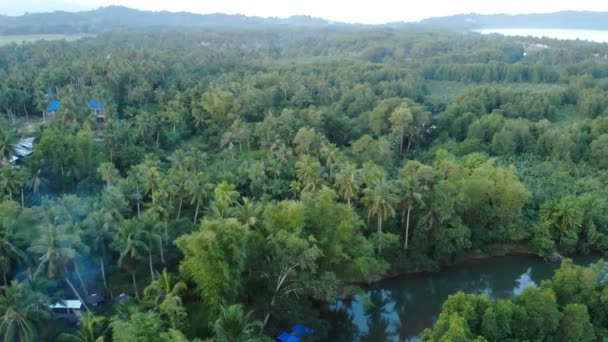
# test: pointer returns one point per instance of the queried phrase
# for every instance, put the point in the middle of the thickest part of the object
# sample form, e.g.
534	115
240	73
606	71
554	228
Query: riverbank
400	308
498	250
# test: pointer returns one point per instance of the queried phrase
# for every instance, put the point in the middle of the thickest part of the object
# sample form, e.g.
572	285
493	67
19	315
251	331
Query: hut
52	109
98	109
68	309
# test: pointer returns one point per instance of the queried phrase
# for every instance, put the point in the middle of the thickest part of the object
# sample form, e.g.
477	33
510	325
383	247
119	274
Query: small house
67	309
23	148
52	109
98	109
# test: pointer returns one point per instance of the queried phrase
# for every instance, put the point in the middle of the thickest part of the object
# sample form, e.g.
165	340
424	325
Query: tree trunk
150	261
401	144
27	115
407	226
22	199
162	253
138	209
409	144
84	288
166	234
76	293
196	211
103	272
135	285
179	209
267	316
380	232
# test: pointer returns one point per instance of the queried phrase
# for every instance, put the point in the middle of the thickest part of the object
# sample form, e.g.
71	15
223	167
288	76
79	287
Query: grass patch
29	38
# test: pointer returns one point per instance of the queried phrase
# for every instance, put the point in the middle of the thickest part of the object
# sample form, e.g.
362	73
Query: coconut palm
309	172
130	243
91	330
165	294
9	180
248	212
10	253
35	181
7	140
380	199
234	325
56	247
347	182
20	311
410	197
197	190
108	173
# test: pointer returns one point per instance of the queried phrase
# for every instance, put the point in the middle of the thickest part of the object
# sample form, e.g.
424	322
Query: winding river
399	309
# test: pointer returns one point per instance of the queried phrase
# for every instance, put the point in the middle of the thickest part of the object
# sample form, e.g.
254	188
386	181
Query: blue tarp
286	337
95	105
53	106
302	330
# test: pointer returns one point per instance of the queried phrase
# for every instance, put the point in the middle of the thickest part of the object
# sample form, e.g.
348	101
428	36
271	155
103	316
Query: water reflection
400	309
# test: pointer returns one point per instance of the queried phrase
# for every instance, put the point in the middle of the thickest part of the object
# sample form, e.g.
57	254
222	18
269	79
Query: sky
352	11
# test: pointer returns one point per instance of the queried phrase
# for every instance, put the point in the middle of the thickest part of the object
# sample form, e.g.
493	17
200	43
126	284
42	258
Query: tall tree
380	199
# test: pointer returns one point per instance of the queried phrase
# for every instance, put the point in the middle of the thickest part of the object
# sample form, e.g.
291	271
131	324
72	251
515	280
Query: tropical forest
229	183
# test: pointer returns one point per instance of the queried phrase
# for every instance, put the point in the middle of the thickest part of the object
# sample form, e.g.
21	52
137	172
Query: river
401	308
598	36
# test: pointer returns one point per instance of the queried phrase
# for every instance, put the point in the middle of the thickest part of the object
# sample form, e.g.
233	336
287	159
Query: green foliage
566	308
278	167
214	259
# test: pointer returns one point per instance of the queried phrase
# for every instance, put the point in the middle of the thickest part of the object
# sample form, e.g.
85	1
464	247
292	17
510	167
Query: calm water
403	307
598	36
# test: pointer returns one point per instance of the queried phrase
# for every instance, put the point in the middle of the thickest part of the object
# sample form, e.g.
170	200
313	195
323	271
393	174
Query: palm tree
159	209
347	182
9	180
330	153
56	248
166	296
197	190
10	254
7	139
108	173
309	172
89	330
150	177
233	325
100	224
20	311
380	199
35	181
410	197
248	212
129	241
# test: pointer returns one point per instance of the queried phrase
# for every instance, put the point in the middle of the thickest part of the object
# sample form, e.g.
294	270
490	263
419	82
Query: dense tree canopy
237	181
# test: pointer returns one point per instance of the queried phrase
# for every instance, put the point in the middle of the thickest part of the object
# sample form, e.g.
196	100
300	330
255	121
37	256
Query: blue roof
53	106
302	330
95	105
287	337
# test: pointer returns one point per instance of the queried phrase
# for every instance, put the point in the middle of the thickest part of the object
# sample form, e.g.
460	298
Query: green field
28	38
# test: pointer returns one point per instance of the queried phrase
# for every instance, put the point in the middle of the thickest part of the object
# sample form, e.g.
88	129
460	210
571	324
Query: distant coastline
597	36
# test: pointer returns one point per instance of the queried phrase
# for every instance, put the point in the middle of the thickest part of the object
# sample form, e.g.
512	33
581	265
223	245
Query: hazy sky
362	11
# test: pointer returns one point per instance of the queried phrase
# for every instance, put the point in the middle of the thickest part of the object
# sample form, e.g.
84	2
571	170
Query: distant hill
563	20
112	17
